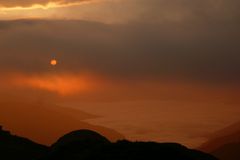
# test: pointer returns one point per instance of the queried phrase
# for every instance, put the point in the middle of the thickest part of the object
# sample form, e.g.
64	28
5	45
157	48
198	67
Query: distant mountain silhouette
229	151
89	145
225	143
18	148
227	135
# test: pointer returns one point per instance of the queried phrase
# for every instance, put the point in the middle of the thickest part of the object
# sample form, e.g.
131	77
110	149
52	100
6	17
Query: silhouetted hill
229	151
88	145
18	148
82	137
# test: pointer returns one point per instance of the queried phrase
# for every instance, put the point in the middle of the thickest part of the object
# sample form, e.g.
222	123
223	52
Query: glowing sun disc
53	62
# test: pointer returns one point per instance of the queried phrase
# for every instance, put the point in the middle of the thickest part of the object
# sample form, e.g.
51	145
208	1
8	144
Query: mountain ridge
90	145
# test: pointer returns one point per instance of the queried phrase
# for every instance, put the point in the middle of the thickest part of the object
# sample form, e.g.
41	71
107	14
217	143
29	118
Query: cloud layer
210	11
202	51
27	3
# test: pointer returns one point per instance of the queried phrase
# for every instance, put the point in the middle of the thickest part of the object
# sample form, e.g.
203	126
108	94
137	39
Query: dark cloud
195	39
185	10
196	51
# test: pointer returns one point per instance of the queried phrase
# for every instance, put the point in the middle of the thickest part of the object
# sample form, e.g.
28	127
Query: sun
53	62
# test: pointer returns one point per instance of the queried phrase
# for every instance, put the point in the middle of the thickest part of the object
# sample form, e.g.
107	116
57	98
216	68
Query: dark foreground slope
125	150
14	147
89	145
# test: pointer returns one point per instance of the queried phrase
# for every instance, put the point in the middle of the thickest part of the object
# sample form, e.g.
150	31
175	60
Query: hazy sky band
206	51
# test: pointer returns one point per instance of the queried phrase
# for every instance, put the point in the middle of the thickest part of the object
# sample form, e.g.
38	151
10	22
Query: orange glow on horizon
63	84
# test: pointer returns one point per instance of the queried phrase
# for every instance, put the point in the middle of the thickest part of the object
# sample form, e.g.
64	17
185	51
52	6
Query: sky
152	70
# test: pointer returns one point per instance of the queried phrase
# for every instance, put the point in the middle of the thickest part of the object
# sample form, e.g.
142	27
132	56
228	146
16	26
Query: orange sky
60	84
141	69
138	109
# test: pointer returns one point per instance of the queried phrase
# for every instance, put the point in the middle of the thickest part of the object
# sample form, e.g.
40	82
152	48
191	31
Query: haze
152	70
